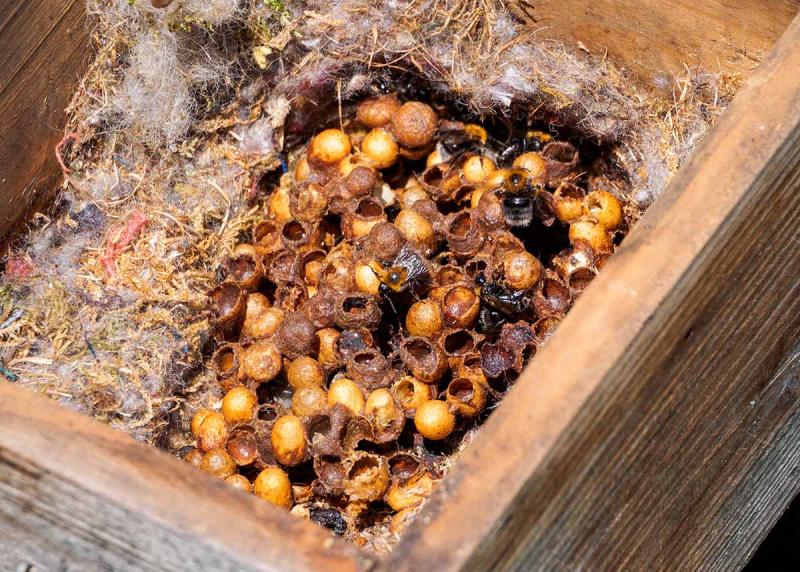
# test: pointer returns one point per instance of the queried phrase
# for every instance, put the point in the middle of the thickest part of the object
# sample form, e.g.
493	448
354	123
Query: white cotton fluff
214	12
155	96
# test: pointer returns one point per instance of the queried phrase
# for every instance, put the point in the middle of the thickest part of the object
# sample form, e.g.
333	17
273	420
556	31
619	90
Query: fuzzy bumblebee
533	140
519	196
407	269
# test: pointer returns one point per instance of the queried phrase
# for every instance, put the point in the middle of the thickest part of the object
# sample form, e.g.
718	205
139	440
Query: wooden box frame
659	429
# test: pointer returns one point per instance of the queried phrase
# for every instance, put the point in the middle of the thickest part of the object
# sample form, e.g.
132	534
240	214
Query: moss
276	6
6	301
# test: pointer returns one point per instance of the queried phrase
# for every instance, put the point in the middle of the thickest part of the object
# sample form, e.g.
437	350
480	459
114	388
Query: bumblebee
519	196
532	141
407	269
505	301
489	320
535	141
498	304
454	142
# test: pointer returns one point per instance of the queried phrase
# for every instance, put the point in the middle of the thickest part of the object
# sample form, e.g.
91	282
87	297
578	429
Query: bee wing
414	264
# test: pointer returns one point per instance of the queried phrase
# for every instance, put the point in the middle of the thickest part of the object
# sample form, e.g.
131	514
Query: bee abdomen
518	211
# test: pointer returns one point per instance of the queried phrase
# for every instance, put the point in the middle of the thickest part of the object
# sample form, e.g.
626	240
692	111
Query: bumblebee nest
187	111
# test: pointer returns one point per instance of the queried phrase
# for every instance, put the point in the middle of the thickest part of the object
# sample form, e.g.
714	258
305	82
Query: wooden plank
655	38
77	495
583	462
781	459
44	45
639	438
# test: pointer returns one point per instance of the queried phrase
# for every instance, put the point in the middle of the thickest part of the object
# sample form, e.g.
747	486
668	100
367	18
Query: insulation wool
184	111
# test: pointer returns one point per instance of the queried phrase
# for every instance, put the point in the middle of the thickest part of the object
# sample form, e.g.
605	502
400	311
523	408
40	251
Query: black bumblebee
498	304
536	141
457	140
507	302
330	518
532	141
489	320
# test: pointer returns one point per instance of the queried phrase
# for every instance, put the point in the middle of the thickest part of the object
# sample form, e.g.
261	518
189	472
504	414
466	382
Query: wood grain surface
659	429
76	495
655	39
44	46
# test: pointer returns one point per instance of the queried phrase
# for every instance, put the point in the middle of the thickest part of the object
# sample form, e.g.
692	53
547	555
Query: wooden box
660	428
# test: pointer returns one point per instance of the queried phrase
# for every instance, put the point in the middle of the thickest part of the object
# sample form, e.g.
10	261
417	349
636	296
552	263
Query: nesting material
177	140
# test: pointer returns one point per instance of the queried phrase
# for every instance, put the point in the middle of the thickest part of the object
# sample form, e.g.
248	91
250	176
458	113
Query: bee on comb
532	141
519	196
457	140
498	303
503	300
535	141
407	269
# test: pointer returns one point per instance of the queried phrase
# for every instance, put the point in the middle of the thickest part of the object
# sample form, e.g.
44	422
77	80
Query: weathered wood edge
658	40
22	469
624	390
44	49
78	495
